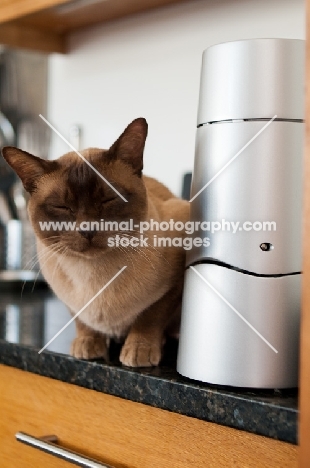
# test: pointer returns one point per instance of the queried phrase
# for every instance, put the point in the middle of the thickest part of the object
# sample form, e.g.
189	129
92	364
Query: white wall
149	65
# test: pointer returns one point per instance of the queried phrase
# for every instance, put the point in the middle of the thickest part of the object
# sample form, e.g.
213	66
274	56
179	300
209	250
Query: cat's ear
130	145
29	168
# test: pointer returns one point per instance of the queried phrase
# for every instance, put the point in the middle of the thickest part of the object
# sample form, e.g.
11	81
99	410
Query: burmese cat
144	300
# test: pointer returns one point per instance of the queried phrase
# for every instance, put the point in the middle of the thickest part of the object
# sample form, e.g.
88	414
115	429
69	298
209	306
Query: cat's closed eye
107	200
62	208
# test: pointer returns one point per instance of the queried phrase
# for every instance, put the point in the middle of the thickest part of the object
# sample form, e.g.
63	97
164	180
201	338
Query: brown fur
144	300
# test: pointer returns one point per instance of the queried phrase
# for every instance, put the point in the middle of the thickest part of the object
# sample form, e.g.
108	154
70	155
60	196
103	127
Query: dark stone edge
173	394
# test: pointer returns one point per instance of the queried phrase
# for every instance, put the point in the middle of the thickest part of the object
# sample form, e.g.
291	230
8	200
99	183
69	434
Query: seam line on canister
263	119
211	261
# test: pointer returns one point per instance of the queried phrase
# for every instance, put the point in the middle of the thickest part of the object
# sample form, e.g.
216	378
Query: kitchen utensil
18	260
7	133
33	136
5	211
7	175
19	197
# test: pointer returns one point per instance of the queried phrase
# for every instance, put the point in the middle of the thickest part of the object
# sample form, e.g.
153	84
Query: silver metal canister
241	307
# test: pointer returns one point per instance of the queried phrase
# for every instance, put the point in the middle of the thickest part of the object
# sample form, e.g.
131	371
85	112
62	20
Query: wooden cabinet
44	24
119	432
304	406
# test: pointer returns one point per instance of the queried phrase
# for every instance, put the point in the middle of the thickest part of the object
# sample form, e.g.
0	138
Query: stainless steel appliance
241	304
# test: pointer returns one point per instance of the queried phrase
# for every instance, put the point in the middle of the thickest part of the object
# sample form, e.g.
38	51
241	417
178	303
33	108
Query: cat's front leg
144	343
89	344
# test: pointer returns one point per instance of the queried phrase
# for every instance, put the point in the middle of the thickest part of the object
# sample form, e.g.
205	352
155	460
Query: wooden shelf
44	24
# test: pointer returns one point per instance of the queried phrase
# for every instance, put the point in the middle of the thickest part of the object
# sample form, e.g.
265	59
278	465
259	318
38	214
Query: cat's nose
88	234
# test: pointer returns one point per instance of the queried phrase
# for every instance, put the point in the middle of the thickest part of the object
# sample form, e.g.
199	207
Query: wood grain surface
304	401
44	25
12	9
120	432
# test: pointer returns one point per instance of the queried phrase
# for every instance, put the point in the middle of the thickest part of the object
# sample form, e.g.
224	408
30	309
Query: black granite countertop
30	319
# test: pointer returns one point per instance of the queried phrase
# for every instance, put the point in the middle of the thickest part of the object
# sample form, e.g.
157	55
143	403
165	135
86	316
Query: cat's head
71	189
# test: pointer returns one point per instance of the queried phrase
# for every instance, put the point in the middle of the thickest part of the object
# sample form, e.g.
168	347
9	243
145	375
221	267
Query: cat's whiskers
62	255
42	255
154	250
138	250
149	245
29	265
31	259
159	254
48	254
57	250
32	262
127	253
142	252
36	258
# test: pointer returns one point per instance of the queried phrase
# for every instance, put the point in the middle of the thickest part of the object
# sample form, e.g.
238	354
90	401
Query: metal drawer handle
48	444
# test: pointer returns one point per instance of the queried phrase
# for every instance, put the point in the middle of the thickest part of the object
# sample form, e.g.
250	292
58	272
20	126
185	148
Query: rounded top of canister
252	79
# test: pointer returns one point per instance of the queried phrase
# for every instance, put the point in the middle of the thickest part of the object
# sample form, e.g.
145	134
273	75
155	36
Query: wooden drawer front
120	432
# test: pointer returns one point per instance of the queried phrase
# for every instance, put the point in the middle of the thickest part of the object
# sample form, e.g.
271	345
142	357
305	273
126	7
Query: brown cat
144	300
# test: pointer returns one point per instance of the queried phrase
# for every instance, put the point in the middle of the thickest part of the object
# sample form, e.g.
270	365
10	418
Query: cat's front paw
140	354
89	347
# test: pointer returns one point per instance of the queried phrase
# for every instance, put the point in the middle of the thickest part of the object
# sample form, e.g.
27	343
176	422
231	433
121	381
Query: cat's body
144	300
150	273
